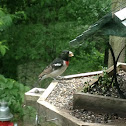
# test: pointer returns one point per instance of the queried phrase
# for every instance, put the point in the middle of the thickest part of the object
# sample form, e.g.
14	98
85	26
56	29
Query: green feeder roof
111	24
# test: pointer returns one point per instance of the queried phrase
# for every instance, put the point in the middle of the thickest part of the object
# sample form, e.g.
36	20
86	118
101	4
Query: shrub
13	92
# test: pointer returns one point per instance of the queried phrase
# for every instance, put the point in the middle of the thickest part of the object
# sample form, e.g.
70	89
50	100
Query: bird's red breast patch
67	63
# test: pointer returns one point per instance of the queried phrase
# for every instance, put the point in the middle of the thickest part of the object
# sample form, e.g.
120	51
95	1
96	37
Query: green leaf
1	13
3	49
27	88
2	79
10	84
5	20
42	2
22	88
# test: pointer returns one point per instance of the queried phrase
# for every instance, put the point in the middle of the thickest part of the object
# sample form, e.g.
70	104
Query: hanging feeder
113	23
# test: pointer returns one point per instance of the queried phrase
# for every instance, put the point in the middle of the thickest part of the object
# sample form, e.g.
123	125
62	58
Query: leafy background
42	29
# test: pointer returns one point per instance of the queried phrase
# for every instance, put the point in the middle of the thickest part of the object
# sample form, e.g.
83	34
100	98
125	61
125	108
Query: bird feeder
5	115
113	23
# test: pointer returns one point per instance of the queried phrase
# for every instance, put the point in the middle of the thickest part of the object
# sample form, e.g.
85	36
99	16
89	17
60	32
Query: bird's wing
56	64
47	70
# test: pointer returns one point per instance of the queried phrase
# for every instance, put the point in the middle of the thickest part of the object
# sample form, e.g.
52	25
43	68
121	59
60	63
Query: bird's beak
70	54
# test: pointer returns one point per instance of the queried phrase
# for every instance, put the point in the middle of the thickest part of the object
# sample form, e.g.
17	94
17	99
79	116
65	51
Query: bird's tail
42	77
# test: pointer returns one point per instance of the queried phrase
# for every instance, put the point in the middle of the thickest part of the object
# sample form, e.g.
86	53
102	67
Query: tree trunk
117	43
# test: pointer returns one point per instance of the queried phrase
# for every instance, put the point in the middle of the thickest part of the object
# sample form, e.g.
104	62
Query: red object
6	123
67	63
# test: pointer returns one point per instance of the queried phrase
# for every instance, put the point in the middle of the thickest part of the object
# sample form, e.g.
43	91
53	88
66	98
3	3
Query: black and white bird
57	67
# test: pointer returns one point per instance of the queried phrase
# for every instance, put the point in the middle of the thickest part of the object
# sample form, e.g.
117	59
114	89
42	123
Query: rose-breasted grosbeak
57	67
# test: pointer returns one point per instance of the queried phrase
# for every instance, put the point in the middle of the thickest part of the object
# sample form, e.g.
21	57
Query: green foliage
5	20
19	17
42	29
63	10
87	58
15	5
13	92
3	48
47	11
101	86
35	41
29	114
105	80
